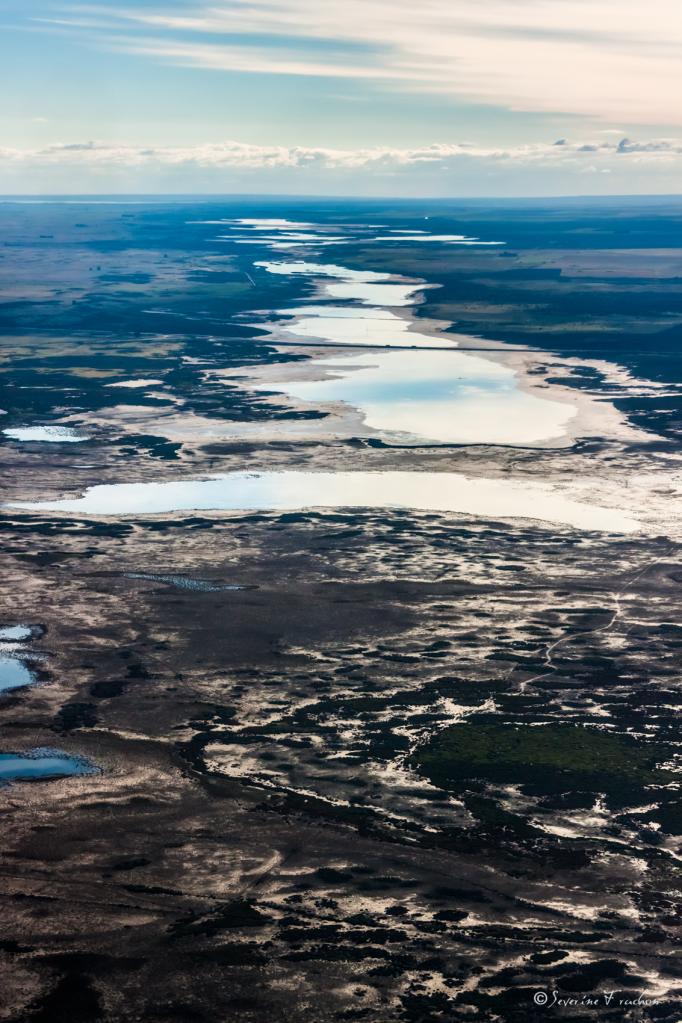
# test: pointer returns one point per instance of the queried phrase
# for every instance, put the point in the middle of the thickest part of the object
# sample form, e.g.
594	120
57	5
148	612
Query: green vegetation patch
545	759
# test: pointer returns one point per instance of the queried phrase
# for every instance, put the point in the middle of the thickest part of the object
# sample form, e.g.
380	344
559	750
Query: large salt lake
413	383
289	491
433	395
447	397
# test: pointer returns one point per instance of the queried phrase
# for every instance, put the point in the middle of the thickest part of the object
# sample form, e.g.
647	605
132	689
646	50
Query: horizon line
132	196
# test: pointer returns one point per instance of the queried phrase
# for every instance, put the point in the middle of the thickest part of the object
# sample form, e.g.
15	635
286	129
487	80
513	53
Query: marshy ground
347	764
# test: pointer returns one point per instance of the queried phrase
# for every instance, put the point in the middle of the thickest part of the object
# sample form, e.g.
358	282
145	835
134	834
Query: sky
341	97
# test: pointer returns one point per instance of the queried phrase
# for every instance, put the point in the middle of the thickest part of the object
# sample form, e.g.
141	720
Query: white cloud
241	155
616	60
565	167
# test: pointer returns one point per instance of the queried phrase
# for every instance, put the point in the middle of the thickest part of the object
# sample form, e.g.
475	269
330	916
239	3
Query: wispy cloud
616	60
252	59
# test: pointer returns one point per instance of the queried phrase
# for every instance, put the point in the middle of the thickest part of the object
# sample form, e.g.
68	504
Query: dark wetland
340	630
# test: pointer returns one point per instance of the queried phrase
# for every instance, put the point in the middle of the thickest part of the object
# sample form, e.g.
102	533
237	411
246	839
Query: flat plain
280	760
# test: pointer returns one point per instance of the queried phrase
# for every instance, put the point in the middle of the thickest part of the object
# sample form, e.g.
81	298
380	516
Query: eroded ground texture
341	763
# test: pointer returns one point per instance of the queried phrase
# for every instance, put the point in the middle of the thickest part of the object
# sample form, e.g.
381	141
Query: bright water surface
447	397
41	763
287	491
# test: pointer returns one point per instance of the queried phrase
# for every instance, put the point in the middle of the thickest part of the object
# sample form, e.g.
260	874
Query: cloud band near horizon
443	169
245	155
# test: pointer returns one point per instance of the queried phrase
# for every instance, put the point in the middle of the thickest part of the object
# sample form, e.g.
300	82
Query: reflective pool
15	633
14	674
42	763
288	491
448	397
51	434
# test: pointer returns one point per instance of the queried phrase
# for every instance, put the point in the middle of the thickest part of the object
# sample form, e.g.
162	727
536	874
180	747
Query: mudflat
339	641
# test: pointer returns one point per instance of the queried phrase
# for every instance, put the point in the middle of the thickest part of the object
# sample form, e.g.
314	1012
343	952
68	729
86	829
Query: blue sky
444	97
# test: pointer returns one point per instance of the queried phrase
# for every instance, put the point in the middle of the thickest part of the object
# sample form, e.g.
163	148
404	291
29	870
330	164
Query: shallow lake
366	286
15	633
288	491
447	397
458	398
42	763
51	434
352	325
424	236
14	674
